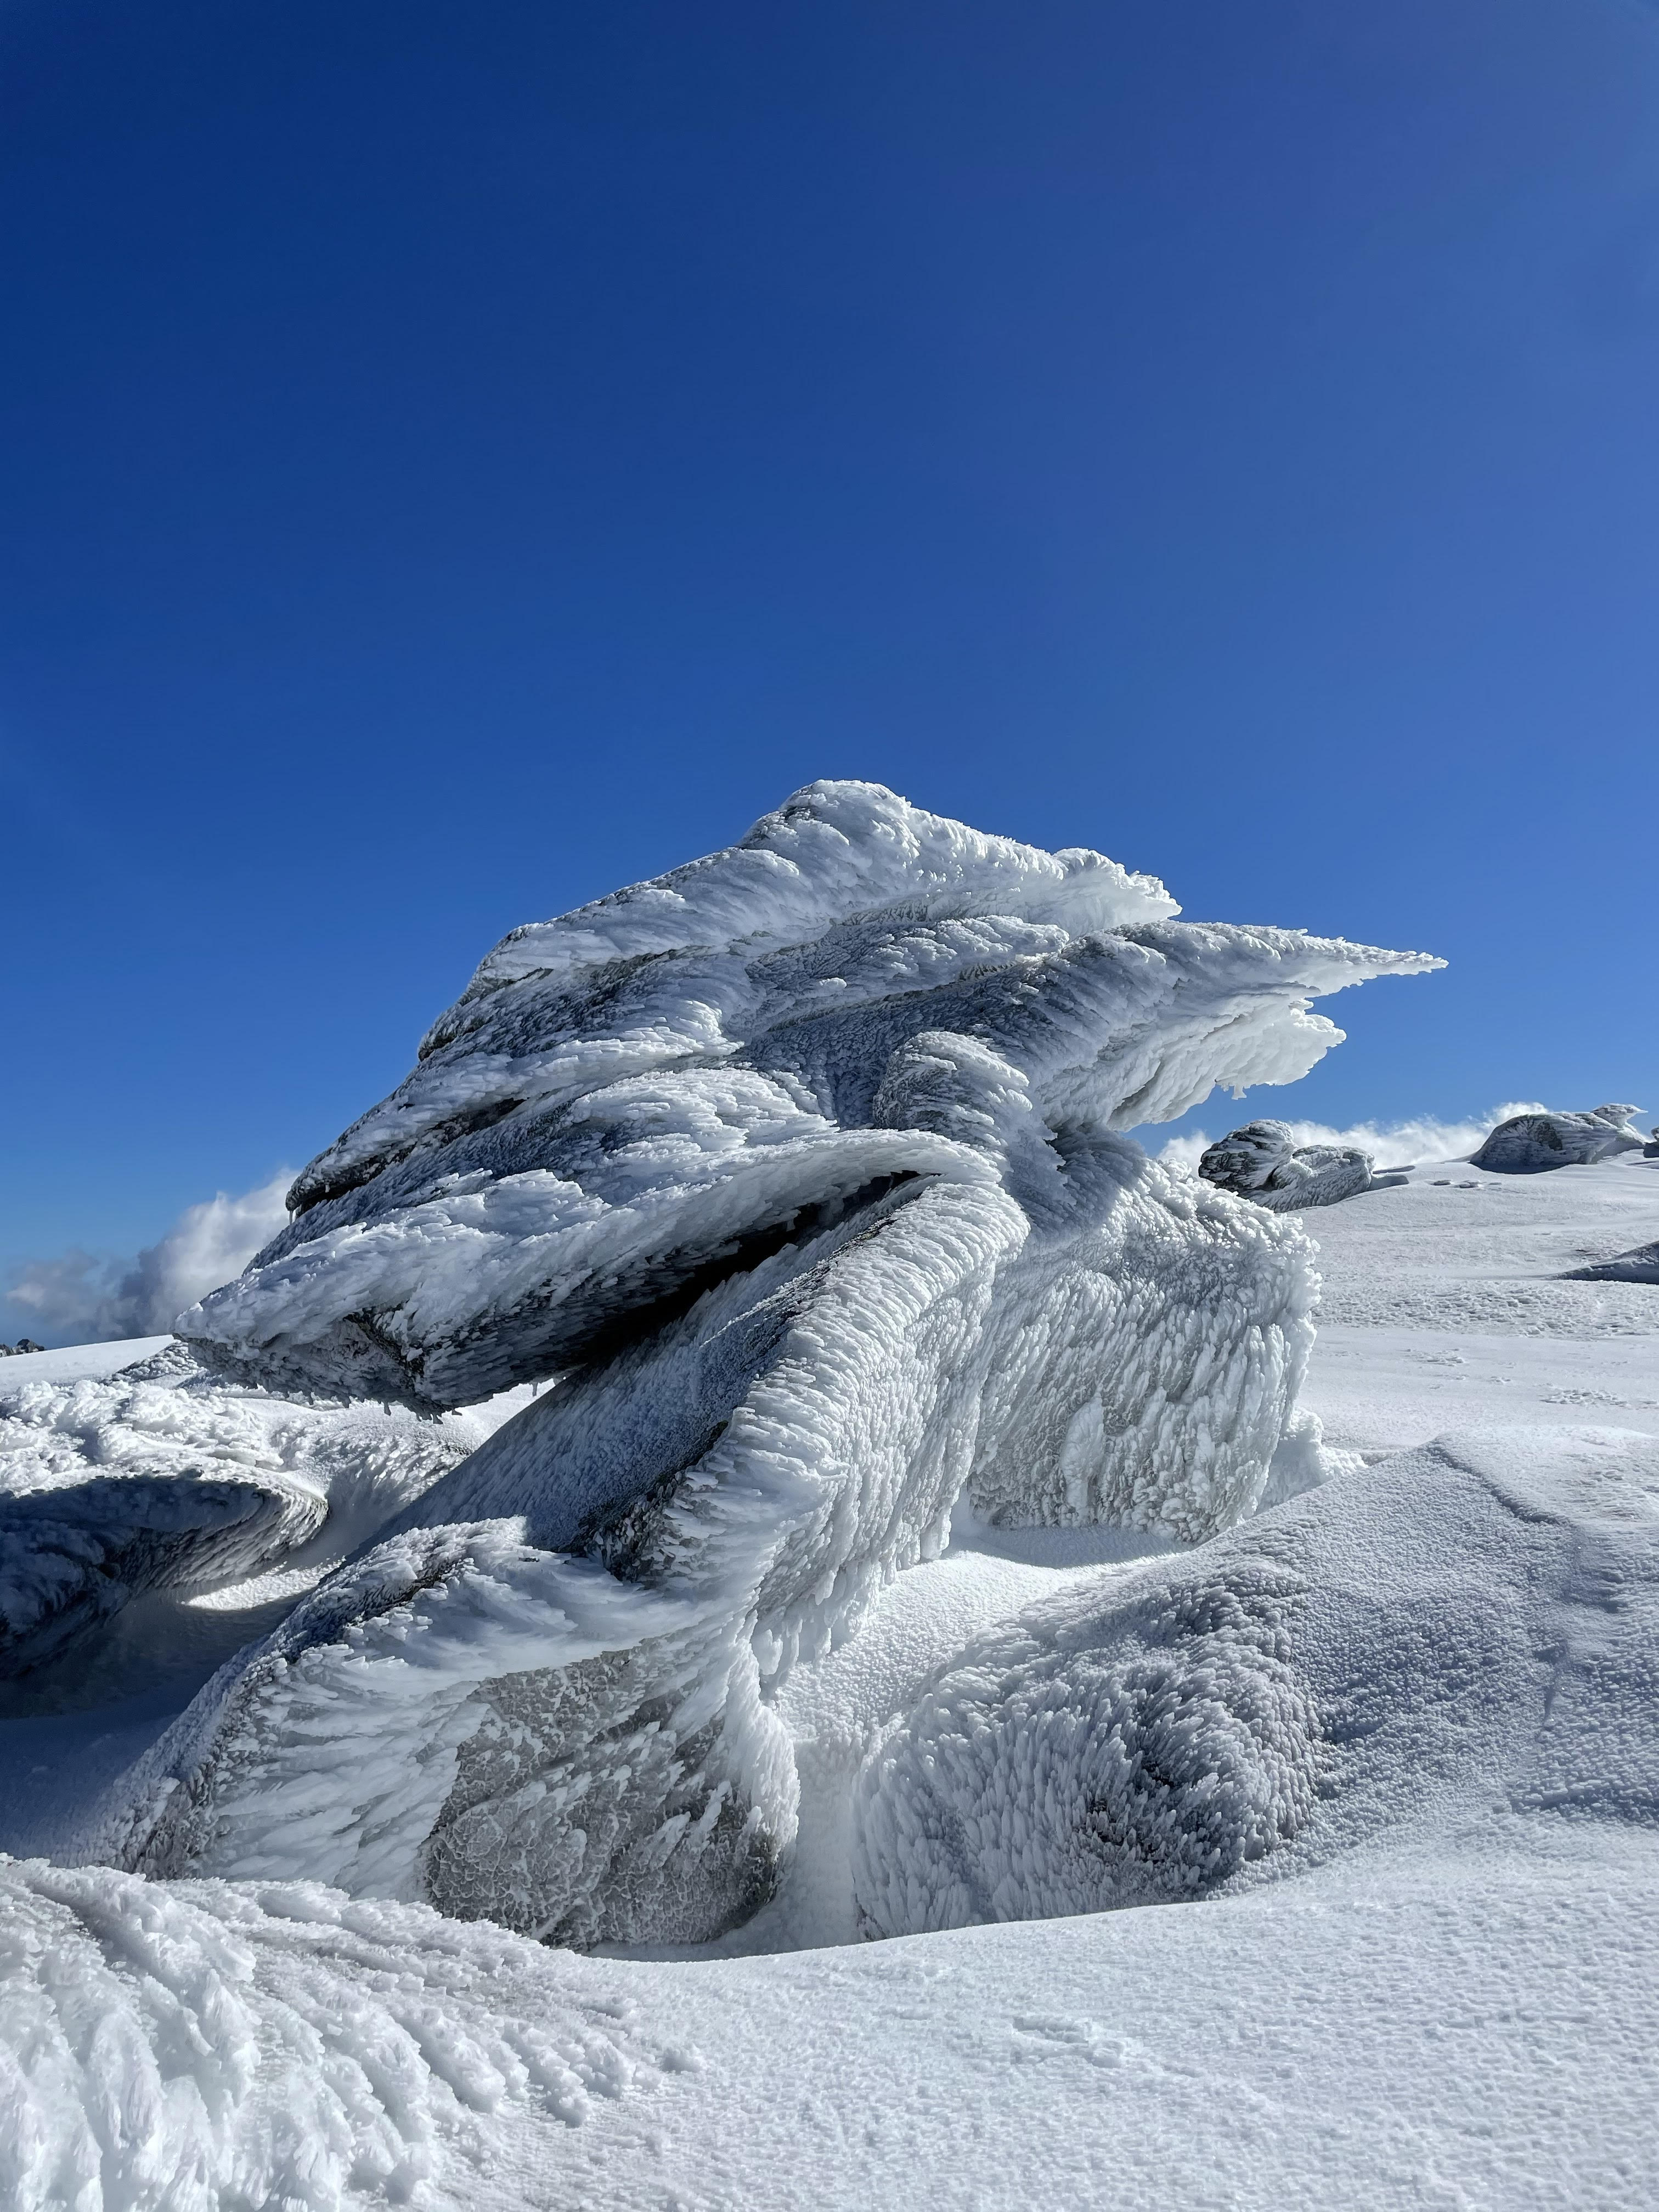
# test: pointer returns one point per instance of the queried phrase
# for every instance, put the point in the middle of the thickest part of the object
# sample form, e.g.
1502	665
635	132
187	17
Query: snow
161	1477
1245	1746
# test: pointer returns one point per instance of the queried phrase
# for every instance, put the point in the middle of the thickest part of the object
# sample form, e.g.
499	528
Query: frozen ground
1443	1990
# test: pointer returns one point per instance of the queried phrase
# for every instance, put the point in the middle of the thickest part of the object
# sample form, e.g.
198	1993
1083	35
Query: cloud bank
1391	1145
80	1299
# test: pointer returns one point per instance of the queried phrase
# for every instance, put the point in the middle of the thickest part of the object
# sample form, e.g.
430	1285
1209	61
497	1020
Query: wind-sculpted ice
1531	1144
645	1094
1262	1161
794	1173
1094	1757
165	1477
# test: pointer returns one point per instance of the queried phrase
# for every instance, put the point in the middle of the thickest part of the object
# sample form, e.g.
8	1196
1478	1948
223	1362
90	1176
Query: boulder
1531	1144
1263	1162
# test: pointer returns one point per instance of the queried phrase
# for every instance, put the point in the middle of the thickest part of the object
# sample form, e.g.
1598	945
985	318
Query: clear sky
460	458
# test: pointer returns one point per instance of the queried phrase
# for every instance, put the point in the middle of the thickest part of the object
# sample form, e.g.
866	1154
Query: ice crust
1477	1619
794	1179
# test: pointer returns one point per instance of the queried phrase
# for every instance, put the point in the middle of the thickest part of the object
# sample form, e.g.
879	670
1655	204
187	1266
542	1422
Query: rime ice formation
165	1477
1262	1161
649	1091
795	1172
1531	1143
206	2046
1312	1680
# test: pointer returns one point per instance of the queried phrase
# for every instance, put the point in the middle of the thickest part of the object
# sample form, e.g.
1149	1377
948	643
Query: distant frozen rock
794	1173
1641	1266
1262	1161
1312	1679
1533	1143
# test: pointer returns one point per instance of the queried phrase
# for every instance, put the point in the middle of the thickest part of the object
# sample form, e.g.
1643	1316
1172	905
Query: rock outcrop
794	1177
1262	1161
1531	1144
1640	1265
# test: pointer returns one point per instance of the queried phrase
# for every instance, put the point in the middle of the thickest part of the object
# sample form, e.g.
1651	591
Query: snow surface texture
796	1170
163	1477
1262	1161
1534	1143
1319	1674
189	2048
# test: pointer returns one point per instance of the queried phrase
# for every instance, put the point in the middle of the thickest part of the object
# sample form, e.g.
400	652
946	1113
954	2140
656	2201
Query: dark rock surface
1531	1144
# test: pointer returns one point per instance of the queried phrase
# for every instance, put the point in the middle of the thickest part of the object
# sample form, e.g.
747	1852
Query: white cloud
79	1299
1391	1145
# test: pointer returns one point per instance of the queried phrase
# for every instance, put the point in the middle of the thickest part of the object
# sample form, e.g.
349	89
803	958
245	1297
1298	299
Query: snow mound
1473	1621
1160	1760
627	1099
185	2048
1531	1144
163	1476
1262	1161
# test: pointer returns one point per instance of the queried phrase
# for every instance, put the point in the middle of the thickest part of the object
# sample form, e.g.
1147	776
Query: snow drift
1323	1676
795	1174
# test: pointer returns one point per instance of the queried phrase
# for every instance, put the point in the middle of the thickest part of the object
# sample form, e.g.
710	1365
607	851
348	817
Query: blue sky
459	459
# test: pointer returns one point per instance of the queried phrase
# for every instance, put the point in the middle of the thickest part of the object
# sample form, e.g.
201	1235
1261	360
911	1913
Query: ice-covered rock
1640	1265
794	1174
1315	1679
673	1530
1263	1162
165	1476
1529	1144
651	1090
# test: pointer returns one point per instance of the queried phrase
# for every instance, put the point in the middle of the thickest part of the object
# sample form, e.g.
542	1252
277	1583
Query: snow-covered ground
1442	1987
